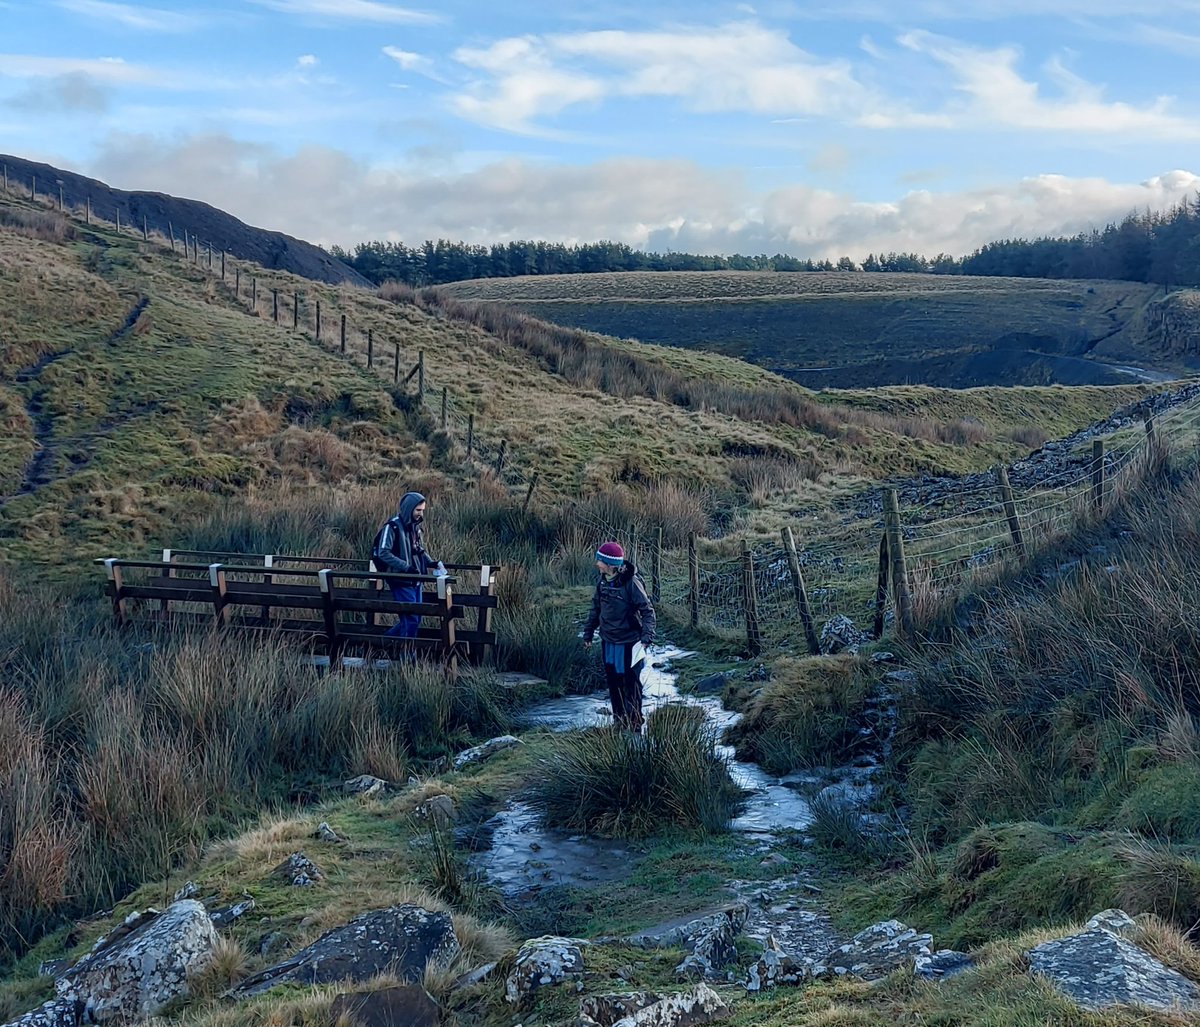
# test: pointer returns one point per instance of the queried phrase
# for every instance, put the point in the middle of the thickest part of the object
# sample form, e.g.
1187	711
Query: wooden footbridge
342	608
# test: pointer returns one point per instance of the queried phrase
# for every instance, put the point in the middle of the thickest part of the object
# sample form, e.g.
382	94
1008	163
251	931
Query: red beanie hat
611	553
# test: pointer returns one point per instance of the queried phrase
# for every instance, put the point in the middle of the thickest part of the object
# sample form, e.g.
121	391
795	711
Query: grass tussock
805	716
619	783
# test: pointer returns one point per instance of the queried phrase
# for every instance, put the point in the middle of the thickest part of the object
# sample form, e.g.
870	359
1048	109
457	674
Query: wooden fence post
421	374
295	311
317	334
693	581
881	585
89	220
237	282
529	494
899	568
60	197
117	220
222	265
1098	475
343	333
656	566
444	396
370	348
500	455
170	227
1010	510
216	579
470	435
396	366
329	612
806	619
208	254
254	294
120	609
145	229
753	633
33	187
275	305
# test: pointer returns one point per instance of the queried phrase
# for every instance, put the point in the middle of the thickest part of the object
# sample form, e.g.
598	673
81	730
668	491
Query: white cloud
352	10
150	19
307	60
326	196
736	67
111	70
405	58
996	94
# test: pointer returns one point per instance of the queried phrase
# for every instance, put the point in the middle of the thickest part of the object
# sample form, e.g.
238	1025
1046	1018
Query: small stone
327	833
365	786
188	891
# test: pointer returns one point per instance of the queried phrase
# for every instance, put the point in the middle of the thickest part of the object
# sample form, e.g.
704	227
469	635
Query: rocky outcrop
399	940
544	962
878	950
299	871
1099	968
485	751
684	932
365	786
692	1008
134	971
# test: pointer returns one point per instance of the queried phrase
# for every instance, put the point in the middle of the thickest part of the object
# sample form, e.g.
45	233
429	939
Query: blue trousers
406	626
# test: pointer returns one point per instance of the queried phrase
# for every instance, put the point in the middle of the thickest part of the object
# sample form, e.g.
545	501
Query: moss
1165	804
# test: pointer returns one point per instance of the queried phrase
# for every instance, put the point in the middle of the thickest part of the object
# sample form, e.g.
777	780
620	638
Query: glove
441	571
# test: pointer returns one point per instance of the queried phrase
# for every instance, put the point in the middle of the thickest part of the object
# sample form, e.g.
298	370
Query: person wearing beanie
624	616
400	549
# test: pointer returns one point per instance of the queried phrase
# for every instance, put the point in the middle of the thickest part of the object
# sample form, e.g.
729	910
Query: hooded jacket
399	546
621	609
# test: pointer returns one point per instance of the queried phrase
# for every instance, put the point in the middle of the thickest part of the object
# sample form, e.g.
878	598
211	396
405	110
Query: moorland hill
843	329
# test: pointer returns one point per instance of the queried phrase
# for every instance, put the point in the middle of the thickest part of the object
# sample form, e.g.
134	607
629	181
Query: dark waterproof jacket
621	610
399	547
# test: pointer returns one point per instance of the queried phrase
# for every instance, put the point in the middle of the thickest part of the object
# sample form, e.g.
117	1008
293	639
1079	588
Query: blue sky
818	129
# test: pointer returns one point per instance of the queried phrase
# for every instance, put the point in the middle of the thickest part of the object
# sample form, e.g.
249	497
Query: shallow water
526	856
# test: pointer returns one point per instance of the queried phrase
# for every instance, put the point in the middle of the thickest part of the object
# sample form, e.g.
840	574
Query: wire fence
953	538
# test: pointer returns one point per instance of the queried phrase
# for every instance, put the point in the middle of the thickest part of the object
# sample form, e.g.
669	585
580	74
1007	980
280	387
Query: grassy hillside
842	329
135	386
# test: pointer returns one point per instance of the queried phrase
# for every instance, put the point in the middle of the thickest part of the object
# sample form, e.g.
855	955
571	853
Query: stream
526	856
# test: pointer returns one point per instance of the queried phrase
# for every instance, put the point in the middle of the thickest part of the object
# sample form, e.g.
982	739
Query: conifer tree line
1162	247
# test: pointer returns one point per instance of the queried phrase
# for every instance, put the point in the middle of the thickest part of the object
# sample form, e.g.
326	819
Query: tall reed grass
120	754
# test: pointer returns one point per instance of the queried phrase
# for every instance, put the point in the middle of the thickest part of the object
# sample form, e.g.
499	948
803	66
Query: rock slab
1099	968
399	940
409	1005
700	1005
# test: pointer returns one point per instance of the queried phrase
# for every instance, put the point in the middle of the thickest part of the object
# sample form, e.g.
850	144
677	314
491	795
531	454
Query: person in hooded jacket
400	549
622	612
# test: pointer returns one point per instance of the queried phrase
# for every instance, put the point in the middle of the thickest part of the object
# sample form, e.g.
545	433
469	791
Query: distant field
847	329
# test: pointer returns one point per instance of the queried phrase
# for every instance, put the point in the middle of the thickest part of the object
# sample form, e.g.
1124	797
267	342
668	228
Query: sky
818	129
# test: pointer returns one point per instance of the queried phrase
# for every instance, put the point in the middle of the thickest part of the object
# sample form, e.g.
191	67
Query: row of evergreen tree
1152	246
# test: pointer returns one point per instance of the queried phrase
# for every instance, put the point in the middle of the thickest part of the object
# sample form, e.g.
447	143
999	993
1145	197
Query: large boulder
700	1005
1099	968
399	940
878	950
134	971
544	962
